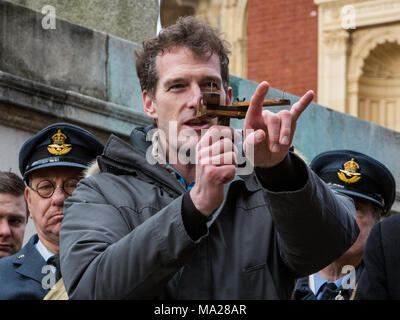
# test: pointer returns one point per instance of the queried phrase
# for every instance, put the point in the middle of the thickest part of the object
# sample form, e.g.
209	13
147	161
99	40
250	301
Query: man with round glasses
46	188
51	163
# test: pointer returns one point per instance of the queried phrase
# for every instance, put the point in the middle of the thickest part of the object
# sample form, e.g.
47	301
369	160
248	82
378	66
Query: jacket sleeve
97	247
315	225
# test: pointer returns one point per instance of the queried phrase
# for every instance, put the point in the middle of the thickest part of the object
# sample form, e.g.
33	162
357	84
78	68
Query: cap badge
350	174
59	147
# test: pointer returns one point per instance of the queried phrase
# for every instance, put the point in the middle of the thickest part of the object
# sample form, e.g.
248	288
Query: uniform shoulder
19	257
7	262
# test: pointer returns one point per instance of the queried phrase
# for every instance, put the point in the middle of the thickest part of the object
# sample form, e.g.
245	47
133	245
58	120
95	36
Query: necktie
328	291
55	261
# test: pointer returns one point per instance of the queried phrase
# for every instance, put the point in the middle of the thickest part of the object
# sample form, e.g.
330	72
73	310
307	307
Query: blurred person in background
372	187
13	213
51	163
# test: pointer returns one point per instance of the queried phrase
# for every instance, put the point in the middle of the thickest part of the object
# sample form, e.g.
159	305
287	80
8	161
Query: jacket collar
29	262
120	157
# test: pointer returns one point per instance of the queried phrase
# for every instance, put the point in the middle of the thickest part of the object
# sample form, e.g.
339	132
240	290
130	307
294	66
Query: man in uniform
13	213
51	163
173	219
372	187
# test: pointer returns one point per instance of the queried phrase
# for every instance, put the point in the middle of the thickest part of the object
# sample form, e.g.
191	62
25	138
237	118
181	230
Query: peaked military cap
357	174
60	144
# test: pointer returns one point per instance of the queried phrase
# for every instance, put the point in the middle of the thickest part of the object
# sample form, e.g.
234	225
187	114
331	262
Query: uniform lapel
29	262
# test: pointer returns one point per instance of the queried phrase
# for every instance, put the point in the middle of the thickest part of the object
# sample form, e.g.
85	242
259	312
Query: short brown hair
12	184
189	32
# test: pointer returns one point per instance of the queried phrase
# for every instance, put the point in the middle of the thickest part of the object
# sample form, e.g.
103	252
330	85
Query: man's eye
45	187
176	86
71	184
15	222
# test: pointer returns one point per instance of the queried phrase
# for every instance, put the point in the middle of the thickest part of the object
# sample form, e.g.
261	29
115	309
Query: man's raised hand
270	134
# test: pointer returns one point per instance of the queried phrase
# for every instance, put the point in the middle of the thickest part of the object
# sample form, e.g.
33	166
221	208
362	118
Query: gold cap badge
350	173
59	147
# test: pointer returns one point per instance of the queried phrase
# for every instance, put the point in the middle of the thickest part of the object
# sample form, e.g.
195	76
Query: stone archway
373	81
379	86
343	50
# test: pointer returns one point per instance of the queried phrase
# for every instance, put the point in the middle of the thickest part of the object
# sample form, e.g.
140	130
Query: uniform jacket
123	237
302	290
381	277
21	274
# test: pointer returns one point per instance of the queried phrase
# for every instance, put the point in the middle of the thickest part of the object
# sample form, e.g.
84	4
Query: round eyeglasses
46	188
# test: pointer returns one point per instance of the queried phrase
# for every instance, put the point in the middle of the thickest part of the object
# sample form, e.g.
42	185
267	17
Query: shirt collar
44	252
319	281
180	178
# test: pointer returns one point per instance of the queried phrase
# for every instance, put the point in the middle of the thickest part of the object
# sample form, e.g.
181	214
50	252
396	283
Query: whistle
208	106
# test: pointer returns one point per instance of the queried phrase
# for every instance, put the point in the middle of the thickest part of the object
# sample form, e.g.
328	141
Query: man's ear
28	199
149	107
228	98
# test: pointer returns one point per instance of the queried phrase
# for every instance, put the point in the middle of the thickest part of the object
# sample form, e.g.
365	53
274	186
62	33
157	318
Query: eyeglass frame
54	187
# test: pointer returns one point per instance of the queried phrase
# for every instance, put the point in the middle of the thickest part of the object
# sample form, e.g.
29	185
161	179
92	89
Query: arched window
379	86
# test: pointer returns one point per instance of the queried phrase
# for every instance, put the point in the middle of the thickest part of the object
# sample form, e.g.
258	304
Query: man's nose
59	196
5	230
195	96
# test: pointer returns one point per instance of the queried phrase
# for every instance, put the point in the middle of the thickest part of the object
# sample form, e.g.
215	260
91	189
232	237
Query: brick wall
282	44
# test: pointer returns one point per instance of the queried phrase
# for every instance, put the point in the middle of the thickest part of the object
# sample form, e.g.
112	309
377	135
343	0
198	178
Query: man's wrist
288	175
194	221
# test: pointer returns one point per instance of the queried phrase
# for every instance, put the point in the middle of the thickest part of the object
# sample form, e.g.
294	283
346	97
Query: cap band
365	185
54	160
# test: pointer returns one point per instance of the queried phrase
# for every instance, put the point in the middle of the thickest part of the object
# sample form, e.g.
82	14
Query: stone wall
67	74
134	20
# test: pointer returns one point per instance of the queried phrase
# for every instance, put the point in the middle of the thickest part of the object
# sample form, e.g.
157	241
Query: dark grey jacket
123	236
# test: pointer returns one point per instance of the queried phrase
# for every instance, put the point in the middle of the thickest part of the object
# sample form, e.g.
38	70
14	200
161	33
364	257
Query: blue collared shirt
44	252
319	281
180	178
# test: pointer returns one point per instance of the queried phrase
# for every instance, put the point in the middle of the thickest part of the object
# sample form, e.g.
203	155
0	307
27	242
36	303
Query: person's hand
273	133
215	166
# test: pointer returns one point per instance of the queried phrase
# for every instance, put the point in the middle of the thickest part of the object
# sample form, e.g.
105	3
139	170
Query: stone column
332	71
